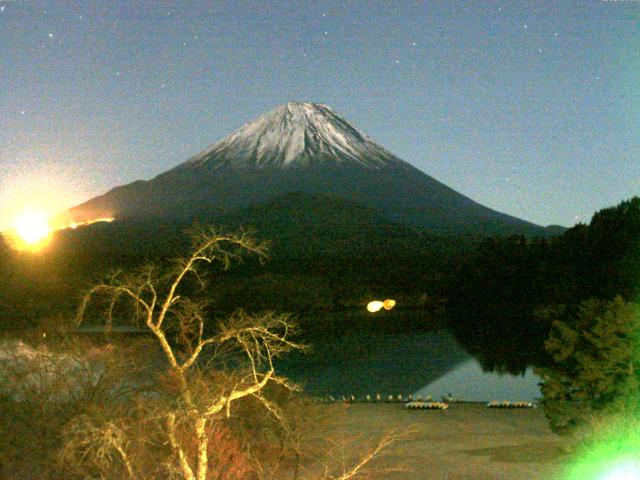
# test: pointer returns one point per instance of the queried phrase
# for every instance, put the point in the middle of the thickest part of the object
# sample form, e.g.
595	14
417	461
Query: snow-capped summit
295	134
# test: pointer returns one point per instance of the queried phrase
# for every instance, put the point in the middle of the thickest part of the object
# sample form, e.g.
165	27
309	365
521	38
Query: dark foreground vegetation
563	304
182	402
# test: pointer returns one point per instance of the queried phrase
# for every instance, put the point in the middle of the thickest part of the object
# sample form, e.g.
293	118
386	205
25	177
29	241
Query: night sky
530	108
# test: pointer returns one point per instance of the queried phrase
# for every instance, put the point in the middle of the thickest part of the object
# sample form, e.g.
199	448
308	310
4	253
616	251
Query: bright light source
375	306
388	304
32	228
614	456
624	471
30	231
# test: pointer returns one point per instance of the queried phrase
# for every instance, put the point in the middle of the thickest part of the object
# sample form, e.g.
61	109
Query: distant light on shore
377	305
388	304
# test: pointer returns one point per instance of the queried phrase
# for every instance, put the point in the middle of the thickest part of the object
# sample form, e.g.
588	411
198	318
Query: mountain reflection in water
391	364
468	382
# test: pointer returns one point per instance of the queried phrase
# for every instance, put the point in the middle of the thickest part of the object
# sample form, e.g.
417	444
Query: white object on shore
426	405
508	404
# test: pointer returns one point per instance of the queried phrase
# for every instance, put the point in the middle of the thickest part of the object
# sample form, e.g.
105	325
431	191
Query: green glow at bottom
615	457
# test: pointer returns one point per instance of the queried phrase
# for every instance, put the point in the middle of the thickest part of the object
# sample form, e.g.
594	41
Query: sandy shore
465	442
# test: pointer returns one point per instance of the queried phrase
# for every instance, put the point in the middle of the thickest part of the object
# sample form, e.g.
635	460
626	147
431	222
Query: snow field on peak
292	132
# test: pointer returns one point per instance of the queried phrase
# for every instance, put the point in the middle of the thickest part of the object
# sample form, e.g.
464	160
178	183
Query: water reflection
370	363
468	382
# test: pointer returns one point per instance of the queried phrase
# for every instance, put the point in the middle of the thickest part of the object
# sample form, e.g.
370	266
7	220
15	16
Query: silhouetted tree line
501	295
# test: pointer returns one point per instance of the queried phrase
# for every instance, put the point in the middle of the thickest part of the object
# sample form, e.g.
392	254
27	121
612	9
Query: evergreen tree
596	363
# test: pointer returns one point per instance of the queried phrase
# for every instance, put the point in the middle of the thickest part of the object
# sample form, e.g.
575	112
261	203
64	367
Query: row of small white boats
420	403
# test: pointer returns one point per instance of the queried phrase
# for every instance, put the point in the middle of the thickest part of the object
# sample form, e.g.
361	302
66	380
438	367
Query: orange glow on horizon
32	232
74	225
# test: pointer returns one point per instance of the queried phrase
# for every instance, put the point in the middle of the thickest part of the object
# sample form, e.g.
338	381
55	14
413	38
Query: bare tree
156	298
212	370
47	383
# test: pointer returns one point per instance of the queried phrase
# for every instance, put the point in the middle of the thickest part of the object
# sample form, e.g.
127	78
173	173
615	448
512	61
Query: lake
412	363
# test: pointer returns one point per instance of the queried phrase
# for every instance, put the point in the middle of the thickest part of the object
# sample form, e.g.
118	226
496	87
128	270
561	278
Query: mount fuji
302	148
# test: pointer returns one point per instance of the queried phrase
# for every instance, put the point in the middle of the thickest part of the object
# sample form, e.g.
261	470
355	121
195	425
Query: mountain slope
300	147
300	225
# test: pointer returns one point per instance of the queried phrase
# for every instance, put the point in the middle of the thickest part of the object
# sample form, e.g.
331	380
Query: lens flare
615	455
624	471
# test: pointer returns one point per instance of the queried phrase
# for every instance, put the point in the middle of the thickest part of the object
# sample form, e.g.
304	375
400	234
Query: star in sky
420	89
